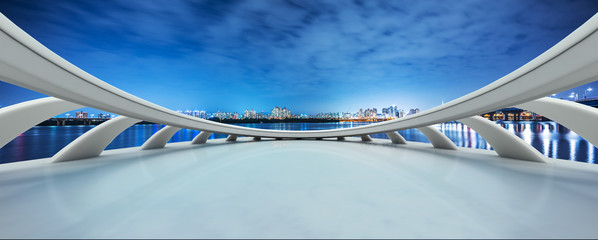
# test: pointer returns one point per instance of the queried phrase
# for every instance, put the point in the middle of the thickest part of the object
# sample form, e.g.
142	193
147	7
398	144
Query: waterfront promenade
260	183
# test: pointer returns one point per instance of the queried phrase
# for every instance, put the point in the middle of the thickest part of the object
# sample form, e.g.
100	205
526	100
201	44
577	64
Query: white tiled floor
301	188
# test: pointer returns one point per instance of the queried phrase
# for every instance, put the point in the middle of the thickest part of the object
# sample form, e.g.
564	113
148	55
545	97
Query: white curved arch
505	143
583	123
18	118
29	64
201	138
570	63
395	137
160	138
437	139
94	141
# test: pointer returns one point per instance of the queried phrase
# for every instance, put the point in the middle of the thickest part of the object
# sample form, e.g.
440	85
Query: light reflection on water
550	138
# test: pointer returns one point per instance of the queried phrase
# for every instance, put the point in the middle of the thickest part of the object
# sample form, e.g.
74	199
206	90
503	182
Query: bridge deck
300	188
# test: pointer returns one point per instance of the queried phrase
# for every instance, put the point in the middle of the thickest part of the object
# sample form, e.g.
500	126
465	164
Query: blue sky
310	56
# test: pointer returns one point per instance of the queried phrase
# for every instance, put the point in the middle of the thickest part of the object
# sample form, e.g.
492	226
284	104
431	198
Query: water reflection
550	138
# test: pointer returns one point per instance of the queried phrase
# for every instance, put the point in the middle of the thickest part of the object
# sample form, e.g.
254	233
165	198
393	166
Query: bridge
592	102
325	183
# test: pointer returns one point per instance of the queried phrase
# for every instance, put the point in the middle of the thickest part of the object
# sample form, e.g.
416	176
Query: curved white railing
27	63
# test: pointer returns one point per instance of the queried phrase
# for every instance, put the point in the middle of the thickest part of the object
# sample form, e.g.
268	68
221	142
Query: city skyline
392	111
311	56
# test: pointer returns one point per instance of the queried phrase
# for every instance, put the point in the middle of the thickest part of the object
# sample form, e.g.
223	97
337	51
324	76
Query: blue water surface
550	138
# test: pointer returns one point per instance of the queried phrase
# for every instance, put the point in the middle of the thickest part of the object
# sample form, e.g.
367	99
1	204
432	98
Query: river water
550	138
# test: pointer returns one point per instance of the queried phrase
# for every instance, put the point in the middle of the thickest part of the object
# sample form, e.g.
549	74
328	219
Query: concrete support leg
94	141
231	138
160	138
366	138
201	138
257	138
580	118
505	143
340	138
395	137
18	118
437	139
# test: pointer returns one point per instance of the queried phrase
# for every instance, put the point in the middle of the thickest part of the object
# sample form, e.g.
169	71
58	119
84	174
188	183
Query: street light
586	92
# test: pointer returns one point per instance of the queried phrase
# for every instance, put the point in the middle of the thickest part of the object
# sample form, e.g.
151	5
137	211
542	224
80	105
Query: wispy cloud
310	55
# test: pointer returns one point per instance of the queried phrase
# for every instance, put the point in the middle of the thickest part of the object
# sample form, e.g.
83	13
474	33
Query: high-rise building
81	114
250	114
280	113
413	111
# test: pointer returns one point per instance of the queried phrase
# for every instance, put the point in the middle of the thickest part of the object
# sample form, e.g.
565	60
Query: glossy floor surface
298	189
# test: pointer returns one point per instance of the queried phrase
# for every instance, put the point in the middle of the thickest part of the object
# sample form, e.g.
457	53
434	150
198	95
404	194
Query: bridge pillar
231	138
160	138
18	118
580	118
340	138
201	138
257	138
437	139
366	138
94	141
505	143
395	137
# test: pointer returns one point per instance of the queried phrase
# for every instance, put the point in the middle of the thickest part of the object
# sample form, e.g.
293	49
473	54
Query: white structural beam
202	137
505	143
160	138
571	62
395	137
18	118
437	139
580	118
94	141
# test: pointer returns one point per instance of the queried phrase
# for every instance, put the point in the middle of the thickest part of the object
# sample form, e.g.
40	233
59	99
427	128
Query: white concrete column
505	143
366	138
93	142
437	139
18	118
395	137
580	118
201	138
160	138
